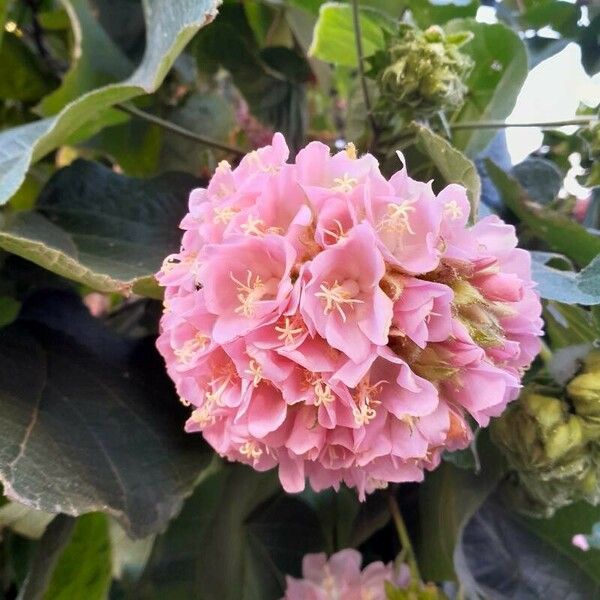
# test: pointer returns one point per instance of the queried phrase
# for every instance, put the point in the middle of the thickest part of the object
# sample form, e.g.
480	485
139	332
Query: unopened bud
423	71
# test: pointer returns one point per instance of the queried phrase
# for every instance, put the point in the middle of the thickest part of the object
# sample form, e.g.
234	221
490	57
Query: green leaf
9	309
28	81
84	567
96	60
235	539
346	522
208	114
569	325
271	80
589	41
566	286
89	421
170	25
106	230
48	553
4	6
333	37
561	16
452	164
559	232
540	178
426	12
500	68
447	500
504	556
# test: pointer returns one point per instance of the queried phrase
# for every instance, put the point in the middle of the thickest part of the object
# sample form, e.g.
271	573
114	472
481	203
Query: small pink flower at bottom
341	577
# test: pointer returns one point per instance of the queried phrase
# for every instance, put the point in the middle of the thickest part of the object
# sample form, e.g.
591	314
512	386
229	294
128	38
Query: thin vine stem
190	135
407	548
361	67
503	124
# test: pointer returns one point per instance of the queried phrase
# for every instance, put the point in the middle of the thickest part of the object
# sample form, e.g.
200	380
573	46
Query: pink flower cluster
341	577
340	325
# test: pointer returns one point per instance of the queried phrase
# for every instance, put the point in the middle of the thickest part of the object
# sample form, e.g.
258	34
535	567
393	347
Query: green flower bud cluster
421	72
553	443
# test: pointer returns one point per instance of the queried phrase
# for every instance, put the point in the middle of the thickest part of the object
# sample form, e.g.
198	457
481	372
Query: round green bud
421	71
549	450
584	392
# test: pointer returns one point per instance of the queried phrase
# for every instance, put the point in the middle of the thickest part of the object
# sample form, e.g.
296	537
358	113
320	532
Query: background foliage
111	111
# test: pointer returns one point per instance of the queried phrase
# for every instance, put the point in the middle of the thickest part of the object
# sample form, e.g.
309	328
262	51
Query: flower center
339	235
366	399
288	332
397	217
225	214
453	210
251	450
251	292
336	296
344	184
190	348
255	370
323	393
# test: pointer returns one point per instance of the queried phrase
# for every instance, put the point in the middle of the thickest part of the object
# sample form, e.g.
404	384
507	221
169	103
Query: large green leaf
569	325
28	80
452	164
170	25
333	37
96	60
560	16
447	500
84	567
47	554
426	12
559	232
272	80
100	228
566	286
500	68
72	561
503	556
89	421
347	522
235	539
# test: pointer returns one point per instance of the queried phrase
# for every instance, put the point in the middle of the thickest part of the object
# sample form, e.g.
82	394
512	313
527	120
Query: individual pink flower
341	576
339	326
342	300
247	283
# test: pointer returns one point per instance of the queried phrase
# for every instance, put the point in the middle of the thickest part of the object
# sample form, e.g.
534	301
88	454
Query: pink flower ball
341	325
341	577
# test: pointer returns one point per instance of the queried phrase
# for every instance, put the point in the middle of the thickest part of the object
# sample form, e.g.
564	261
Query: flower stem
190	135
585	120
361	67
407	548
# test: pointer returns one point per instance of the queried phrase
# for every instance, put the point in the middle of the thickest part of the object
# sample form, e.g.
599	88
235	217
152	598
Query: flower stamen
397	217
344	184
224	214
249	294
251	450
453	210
337	295
255	370
288	332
